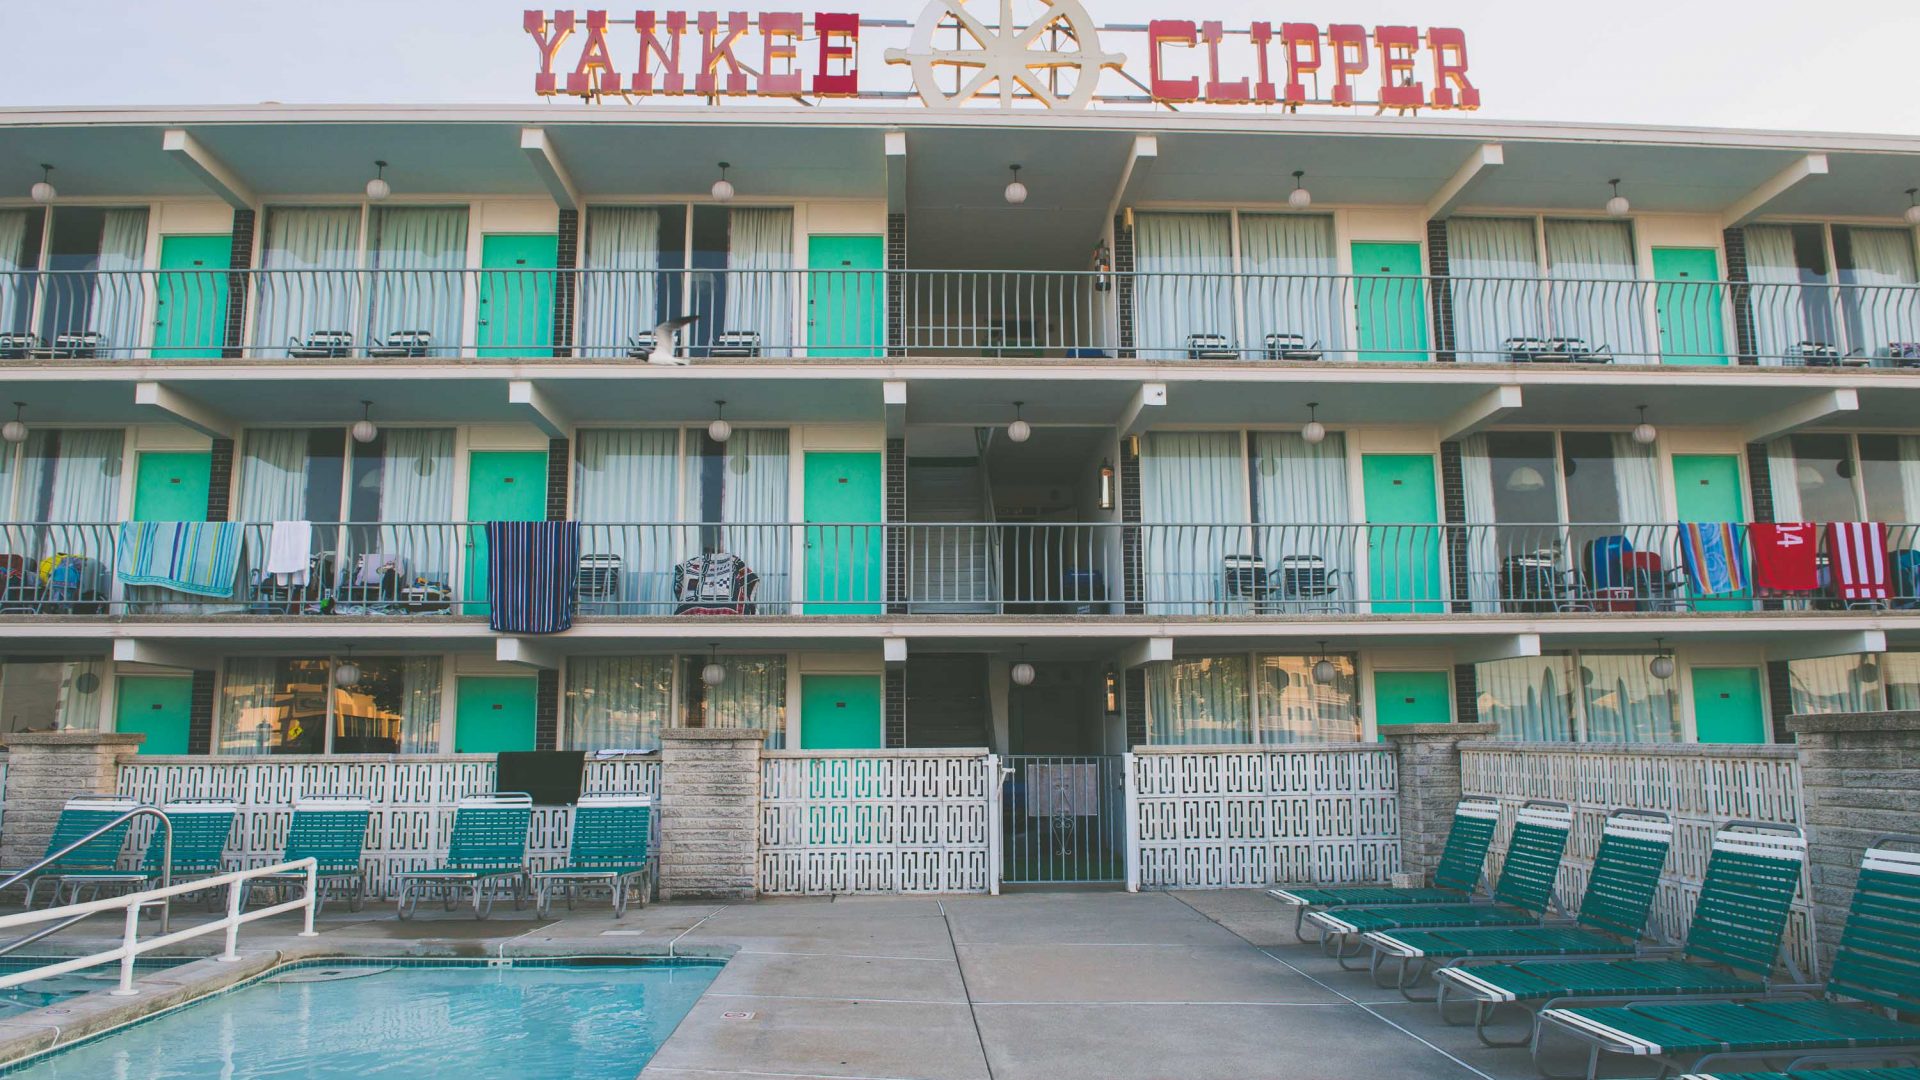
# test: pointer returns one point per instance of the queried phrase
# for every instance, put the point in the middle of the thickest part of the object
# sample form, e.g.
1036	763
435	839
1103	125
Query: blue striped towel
532	571
199	557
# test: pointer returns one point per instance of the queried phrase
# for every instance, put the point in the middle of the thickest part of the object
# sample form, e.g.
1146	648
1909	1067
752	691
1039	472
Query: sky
1841	65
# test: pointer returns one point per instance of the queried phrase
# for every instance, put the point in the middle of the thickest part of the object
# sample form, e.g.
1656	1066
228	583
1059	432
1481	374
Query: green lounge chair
1521	896
489	846
1613	912
200	830
1876	979
1457	877
612	832
1731	946
79	816
332	831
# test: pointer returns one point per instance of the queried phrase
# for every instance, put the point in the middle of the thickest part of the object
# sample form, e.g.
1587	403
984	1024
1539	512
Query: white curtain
1624	702
1880	312
1502	298
1303	487
420	705
119	297
1636	481
1531	699
627	493
1198	702
615	306
1778	303
1900	680
1594	297
618	702
753	492
1483	547
313	252
14	268
420	254
1910	477
1783	479
416	500
1833	684
760	294
1291	287
250	709
71	477
1193	497
1292	707
753	695
273	487
1183	265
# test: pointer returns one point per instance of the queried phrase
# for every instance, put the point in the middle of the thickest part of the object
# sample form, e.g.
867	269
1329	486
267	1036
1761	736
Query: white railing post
128	952
236	890
313	885
994	855
1132	815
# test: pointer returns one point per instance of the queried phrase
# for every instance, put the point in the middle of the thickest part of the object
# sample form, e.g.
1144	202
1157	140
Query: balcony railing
1094	569
612	314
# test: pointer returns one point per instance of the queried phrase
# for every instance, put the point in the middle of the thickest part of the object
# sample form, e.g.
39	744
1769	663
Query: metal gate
1063	818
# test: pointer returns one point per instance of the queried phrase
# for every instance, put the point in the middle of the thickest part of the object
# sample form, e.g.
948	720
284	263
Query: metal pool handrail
166	871
131	947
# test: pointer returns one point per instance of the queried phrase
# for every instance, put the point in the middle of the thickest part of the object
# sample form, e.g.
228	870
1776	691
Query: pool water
329	1019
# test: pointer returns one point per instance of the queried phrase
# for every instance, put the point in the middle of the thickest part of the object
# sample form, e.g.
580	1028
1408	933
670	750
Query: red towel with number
1783	556
1858	552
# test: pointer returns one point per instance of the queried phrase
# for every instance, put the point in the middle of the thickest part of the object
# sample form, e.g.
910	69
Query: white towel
288	551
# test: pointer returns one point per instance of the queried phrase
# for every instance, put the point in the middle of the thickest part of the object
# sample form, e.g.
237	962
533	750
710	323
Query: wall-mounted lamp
1106	484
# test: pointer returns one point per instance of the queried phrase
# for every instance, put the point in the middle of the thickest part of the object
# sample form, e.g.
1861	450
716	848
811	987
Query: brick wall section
559	475
896	285
1123	290
1466	693
896	512
1135	707
1428	759
1759	482
546	710
1453	507
1858	772
200	714
895	705
1779	698
44	770
220	481
1741	297
1439	296
565	285
709	813
1132	584
240	256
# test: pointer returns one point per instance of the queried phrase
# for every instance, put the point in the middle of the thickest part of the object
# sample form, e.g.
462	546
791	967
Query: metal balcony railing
643	570
828	314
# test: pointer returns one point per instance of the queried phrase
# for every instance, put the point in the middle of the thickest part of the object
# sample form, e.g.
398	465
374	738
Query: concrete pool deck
1026	986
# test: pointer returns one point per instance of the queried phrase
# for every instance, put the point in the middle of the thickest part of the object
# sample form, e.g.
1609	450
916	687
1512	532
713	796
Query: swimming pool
40	992
329	1019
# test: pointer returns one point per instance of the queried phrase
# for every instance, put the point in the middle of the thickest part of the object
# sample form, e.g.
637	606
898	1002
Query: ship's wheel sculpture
1054	59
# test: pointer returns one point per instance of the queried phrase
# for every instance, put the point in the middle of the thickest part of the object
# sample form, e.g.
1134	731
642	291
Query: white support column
175	407
527	652
1754	202
1486	409
544	414
1134	418
1479	650
1807	645
893	397
896	148
160	654
894	651
1794	417
1140	161
1484	157
1142	653
181	146
546	163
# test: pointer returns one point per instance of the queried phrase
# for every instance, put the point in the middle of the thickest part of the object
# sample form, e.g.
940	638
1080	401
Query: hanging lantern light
723	187
1315	432
364	429
378	188
720	431
713	674
1019	430
15	430
1661	666
1618	206
1106	483
43	191
1643	432
1299	198
1023	673
1325	671
1868	671
346	673
1913	206
1016	191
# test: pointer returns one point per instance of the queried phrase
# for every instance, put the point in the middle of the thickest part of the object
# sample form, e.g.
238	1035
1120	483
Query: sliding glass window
1235	699
1579	697
1838	477
19	260
293	705
729	266
1826	295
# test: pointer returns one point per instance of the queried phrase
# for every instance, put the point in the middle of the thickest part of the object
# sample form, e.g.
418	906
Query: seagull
663	341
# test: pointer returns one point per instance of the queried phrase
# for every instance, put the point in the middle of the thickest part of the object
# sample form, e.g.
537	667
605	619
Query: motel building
921	384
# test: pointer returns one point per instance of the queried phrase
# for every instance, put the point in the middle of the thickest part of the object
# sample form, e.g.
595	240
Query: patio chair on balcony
1243	579
1906	580
1903	354
599	579
736	344
82	345
1536	582
1210	347
19	585
717	583
1559	350
321	345
1816	354
641	345
74	585
402	344
1304	583
1292	347
269	596
375	583
18	345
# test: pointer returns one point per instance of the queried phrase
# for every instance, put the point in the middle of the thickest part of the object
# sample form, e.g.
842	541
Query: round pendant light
713	674
43	191
378	188
723	188
346	673
1314	432
1016	191
1868	672
1325	671
1643	432
719	430
1912	215
1525	478
1618	206
1661	666
15	430
1299	198
1019	431
364	429
1023	674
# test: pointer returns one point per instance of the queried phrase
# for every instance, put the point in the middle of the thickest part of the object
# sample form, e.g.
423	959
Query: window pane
1878	311
1526	492
1531	699
1900	676
753	695
1295	708
1834	684
278	705
394	708
618	702
1823	476
1198	701
1881	475
51	695
1624	702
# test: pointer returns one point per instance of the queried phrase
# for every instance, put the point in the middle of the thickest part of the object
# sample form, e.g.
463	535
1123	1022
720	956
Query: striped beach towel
533	569
1713	555
199	557
1858	553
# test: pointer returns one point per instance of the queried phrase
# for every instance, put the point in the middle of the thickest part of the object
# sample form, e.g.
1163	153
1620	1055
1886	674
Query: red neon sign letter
839	40
1445	41
716	50
1169	32
1397	44
671	81
1225	92
594	58
535	23
1349	44
1302	42
779	35
1261	34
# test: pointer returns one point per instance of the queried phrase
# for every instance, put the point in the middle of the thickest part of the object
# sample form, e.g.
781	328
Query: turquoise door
1687	305
171	485
157	706
502	485
1706	487
844	551
846	296
514	309
1389	301
1727	705
494	713
1411	697
190	296
1403	538
840	712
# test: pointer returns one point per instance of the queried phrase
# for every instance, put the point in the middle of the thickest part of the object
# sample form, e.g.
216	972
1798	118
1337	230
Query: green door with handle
846	296
190	297
1389	301
844	547
1411	697
1687	303
1706	487
171	485
1403	540
157	706
840	712
514	307
502	485
1728	706
494	713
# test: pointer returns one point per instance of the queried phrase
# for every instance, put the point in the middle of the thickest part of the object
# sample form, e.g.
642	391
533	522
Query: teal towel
200	557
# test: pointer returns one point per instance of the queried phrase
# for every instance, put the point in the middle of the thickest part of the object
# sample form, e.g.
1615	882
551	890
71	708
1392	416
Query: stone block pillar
1428	759
709	813
1859	773
44	770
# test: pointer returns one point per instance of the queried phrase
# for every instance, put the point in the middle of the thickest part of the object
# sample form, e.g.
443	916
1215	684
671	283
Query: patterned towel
1712	552
533	570
199	557
1857	551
